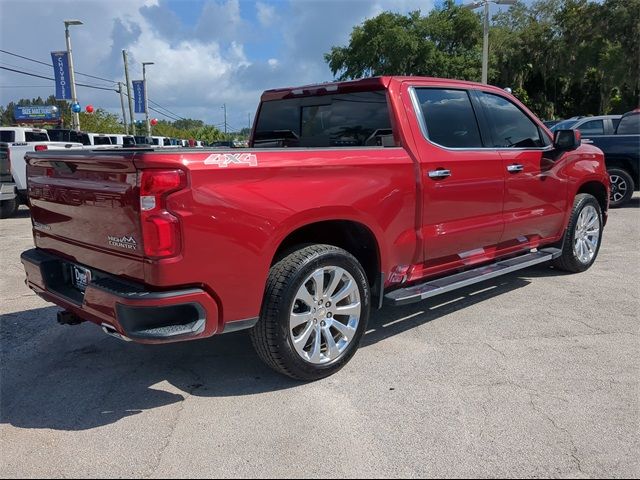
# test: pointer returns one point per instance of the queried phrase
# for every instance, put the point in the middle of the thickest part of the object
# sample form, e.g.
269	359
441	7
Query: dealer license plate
80	277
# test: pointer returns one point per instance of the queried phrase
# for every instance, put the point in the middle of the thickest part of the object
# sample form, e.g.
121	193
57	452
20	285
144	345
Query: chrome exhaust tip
112	332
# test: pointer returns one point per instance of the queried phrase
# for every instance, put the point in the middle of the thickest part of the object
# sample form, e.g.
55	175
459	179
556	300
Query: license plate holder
80	277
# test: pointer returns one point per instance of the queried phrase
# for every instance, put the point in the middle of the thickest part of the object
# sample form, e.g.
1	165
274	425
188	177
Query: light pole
485	36
75	117
146	97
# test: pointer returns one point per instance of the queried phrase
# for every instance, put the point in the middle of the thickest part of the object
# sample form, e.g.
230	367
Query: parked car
551	123
353	194
622	156
15	142
598	125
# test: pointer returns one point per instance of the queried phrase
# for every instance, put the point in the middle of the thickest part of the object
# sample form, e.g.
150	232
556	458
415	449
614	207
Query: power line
50	65
166	109
169	115
49	78
157	111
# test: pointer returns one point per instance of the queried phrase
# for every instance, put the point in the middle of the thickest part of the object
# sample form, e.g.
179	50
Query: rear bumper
7	191
125	308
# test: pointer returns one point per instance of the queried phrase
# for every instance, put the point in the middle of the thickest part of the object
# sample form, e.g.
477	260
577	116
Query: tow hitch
67	318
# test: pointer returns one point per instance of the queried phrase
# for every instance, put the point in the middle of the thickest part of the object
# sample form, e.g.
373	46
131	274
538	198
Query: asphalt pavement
531	375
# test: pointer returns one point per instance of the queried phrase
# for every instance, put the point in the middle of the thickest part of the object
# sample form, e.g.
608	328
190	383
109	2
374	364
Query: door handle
439	173
515	168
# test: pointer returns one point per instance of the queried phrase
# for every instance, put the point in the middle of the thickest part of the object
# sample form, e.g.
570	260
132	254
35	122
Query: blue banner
62	75
36	113
138	95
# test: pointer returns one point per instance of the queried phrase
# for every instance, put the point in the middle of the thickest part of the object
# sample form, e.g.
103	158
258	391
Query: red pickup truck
351	195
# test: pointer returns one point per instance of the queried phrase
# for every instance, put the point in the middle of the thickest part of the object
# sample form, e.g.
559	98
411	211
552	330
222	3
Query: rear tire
8	208
583	236
314	313
622	187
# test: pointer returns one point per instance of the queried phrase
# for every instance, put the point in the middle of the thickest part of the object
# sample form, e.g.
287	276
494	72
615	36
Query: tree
563	57
444	43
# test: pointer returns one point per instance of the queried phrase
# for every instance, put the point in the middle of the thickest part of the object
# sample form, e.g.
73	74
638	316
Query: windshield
564	125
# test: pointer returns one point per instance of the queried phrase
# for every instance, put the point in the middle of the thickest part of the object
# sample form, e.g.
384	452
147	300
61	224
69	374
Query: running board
416	293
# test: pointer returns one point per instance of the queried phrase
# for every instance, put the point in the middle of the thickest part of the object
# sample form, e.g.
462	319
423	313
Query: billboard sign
36	113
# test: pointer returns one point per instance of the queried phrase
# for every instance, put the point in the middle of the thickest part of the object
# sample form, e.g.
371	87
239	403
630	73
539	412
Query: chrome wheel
325	315
587	235
619	187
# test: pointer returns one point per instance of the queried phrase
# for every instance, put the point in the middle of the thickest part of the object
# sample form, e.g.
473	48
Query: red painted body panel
234	217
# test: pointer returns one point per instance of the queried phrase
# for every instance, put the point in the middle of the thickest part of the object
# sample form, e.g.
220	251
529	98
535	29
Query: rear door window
592	127
449	118
510	127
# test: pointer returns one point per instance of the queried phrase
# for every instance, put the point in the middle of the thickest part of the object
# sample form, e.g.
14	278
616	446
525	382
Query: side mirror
567	139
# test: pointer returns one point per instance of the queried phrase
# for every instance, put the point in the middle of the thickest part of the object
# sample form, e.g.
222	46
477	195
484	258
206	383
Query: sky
207	53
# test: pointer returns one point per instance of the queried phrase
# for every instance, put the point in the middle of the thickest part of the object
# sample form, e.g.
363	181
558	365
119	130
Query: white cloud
266	14
198	67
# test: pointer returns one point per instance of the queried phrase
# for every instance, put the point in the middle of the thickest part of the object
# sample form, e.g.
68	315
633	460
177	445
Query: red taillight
160	228
40	148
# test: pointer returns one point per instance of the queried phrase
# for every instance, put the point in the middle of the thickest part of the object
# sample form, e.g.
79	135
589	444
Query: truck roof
362	84
24	129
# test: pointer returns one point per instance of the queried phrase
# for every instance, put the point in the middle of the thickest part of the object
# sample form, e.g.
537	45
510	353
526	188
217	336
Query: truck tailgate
85	206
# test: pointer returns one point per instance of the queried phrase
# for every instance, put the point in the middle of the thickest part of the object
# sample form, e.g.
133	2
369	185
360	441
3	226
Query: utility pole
224	106
126	77
75	117
485	33
485	44
124	112
146	97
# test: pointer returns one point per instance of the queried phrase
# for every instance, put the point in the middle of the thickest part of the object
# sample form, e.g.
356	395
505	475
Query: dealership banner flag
138	95
62	75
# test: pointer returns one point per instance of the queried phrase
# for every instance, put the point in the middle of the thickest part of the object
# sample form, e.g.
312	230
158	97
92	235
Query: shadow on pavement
77	378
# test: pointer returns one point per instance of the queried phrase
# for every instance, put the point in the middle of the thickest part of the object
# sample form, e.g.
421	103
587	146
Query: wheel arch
350	235
598	190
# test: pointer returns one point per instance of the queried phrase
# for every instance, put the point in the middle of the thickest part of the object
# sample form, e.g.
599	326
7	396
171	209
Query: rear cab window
101	140
359	119
36	137
7	136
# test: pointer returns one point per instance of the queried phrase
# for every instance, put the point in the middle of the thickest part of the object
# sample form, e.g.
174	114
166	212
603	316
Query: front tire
314	313
622	187
583	236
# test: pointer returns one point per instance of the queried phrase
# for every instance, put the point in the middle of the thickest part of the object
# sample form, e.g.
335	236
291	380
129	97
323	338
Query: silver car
590	126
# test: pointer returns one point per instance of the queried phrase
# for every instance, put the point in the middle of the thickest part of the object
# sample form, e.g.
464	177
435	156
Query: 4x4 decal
225	159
